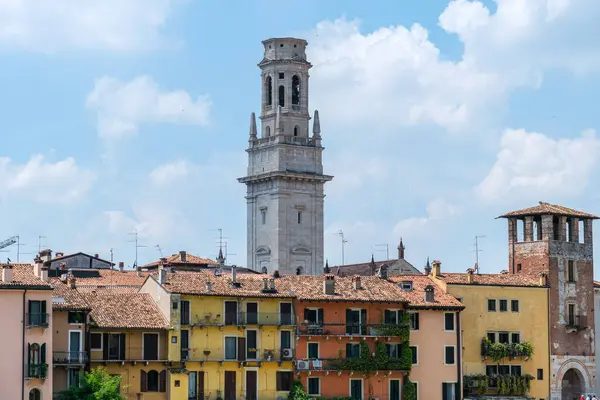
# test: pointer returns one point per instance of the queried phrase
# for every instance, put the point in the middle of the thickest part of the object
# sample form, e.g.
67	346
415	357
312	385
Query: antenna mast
137	246
477	250
387	249
159	250
344	241
40	242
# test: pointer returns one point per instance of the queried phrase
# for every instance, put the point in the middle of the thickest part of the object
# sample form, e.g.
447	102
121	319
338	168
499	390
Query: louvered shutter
143	381
162	381
105	346
121	346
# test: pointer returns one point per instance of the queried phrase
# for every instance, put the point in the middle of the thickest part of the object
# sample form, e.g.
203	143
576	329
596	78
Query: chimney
121	266
96	255
470	275
72	282
437	268
37	266
44	271
383	272
139	271
59	254
543	279
356	282
162	274
233	274
7	273
276	274
209	286
272	284
265	284
46	255
183	256
429	298
329	284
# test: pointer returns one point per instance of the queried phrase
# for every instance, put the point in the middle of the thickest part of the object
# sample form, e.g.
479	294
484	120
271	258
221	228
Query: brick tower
556	241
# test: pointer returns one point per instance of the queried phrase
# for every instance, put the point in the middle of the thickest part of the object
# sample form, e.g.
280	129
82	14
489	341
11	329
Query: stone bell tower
285	180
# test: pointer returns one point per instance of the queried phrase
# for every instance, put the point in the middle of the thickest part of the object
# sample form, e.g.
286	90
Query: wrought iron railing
37	319
69	357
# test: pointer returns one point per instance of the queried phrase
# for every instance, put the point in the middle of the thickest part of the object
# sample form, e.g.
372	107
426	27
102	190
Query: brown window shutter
143	381
200	391
241	349
278	375
162	381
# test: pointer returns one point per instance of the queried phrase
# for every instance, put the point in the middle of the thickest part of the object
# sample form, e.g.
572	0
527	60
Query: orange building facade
352	337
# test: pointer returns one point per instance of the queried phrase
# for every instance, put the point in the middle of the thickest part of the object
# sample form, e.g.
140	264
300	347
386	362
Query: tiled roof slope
547	208
125	311
373	289
490	279
399	266
113	278
65	298
250	285
176	259
23	276
416	296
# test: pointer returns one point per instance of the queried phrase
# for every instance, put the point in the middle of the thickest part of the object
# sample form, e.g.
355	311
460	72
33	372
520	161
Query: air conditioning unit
302	364
286	353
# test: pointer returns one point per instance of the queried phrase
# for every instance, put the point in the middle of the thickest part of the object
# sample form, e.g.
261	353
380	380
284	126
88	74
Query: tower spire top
278	127
252	126
401	250
317	125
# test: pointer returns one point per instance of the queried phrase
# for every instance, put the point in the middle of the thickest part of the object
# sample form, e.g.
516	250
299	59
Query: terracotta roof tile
23	276
176	259
195	282
65	298
125	310
490	279
596	284
113	278
416	296
547	208
373	289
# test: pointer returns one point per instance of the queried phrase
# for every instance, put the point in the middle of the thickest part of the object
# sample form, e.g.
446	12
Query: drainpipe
549	374
458	358
23	348
86	348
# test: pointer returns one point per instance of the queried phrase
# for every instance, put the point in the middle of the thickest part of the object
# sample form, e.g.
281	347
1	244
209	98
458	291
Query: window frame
453	319
494	308
144	334
500	305
571	272
69	313
362	387
235	339
415	355
101	341
512	303
318	385
278	380
414	321
308	346
453	355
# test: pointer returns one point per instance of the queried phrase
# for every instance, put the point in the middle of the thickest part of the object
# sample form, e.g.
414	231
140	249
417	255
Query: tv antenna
477	250
40	242
344	241
159	250
137	246
222	244
19	245
387	249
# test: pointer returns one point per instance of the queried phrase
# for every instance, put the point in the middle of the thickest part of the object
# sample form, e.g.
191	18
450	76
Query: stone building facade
285	180
557	241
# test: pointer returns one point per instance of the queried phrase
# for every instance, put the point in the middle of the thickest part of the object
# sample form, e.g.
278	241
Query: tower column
512	230
574	229
588	237
547	227
528	229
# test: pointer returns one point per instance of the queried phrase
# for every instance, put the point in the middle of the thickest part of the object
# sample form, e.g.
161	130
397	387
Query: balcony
348	364
37	320
575	323
244	319
498	351
342	329
249	355
36	371
69	358
130	354
499	385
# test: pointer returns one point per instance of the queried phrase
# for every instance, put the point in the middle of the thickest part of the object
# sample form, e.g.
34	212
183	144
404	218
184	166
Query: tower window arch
282	96
269	90
265	270
296	130
299	271
295	90
268	131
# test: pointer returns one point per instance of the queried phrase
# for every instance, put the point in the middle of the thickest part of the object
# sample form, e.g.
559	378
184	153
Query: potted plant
206	352
268	354
219	395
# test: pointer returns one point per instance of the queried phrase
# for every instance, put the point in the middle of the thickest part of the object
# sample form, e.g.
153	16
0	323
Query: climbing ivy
410	390
367	365
297	393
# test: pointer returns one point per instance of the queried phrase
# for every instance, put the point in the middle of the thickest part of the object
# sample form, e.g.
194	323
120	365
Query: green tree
95	385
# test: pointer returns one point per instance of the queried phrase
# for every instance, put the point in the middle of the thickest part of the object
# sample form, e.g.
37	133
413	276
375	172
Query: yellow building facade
231	337
504	332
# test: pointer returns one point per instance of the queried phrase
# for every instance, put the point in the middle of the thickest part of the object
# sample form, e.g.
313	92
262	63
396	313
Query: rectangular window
414	321
415	355
76	317
503	337
449	354
281	75
448	391
416	389
449	321
185	344
37	313
356	322
263	216
113	346
503	305
516	370
514	305
73	378
231	312
356	389
252	313
571	271
352	350
251	343
150	343
284	381
515	337
313	351
491	305
393	350
491	336
540	374
571	315
285	338
313	316
299	217
285	313
95	341
314	386
185	312
392	317
230	348
504	369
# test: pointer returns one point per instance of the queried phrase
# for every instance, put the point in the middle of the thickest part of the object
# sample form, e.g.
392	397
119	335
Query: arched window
265	270
299	271
152	381
296	131
35	394
281	96
268	131
295	90
34	353
269	90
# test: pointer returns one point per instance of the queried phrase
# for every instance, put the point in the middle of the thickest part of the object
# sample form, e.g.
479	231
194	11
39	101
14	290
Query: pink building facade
26	335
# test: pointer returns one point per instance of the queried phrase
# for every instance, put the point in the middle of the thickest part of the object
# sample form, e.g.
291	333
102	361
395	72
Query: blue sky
437	116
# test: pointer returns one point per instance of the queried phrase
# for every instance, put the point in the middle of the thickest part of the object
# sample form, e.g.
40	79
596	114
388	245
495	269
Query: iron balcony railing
243	319
36	371
69	357
129	354
339	364
353	329
239	355
575	322
37	319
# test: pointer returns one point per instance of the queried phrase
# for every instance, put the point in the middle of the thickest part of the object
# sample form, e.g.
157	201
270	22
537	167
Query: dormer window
406	285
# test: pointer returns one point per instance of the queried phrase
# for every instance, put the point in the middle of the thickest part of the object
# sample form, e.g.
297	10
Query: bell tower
285	180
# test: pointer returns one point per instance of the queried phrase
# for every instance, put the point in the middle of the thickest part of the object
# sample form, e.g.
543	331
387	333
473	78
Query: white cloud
153	222
121	107
43	181
167	173
120	25
396	76
437	210
532	164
